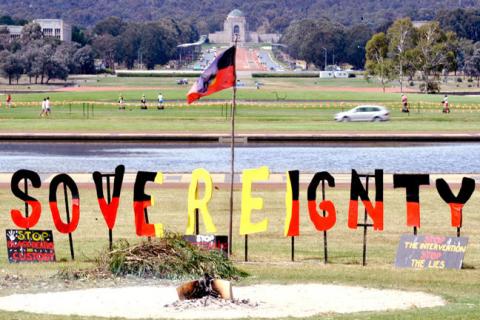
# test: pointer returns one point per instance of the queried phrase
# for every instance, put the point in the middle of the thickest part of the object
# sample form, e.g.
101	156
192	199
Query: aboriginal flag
218	76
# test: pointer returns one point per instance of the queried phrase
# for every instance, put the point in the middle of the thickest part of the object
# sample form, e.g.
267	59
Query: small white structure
333	74
327	74
341	74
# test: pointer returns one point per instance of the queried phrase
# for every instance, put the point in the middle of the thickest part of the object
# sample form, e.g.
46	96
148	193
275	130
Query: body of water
75	157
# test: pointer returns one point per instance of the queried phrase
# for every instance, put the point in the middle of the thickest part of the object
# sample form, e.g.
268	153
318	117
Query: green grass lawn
286	88
269	252
290	118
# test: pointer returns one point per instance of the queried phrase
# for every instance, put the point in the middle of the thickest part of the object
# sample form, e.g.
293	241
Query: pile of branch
168	258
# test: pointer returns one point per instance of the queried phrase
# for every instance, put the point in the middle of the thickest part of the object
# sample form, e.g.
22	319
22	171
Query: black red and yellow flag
218	76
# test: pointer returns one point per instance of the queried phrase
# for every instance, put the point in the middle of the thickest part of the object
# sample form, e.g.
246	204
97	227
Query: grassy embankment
258	110
269	252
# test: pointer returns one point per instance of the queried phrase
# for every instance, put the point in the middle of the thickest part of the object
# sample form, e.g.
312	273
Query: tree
84	58
80	36
128	45
472	65
11	65
378	64
307	38
356	39
113	26
56	69
105	47
31	32
401	37
430	52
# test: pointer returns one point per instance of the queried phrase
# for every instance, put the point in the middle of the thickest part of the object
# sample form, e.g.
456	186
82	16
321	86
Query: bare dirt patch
261	301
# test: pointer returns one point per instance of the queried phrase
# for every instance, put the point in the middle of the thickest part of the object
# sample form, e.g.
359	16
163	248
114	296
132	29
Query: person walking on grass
160	101
44	108
446	109
47	106
9	101
121	103
143	102
405	104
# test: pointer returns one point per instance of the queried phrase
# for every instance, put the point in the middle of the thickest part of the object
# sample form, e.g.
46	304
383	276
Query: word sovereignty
411	183
430	252
30	246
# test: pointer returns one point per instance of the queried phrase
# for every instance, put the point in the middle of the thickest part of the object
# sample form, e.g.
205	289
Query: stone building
236	24
50	27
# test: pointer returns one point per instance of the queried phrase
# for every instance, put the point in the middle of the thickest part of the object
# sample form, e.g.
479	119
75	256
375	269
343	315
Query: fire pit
205	287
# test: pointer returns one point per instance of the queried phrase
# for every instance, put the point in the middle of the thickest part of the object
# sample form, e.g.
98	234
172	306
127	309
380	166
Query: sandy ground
272	301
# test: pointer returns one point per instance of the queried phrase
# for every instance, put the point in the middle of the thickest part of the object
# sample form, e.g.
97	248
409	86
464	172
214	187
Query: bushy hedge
159	74
285	75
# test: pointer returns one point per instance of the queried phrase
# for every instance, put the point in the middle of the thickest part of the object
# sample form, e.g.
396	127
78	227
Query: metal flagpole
232	157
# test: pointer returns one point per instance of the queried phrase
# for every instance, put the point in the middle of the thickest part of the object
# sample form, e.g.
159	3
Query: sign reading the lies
431	252
322	213
30	246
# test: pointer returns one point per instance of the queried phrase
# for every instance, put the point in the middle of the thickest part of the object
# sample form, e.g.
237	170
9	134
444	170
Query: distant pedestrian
405	104
44	108
47	106
446	108
143	102
9	101
121	103
160	101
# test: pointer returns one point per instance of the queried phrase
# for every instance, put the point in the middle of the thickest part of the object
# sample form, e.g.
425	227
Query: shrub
431	87
459	79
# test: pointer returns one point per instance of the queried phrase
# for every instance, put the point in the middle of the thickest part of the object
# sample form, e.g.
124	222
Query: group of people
405	108
143	102
45	107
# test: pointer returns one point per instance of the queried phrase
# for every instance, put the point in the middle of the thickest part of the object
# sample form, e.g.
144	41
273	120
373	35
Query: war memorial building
236	24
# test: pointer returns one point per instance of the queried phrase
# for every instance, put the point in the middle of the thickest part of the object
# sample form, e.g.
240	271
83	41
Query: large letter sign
357	190
201	204
249	203
71	226
141	201
292	205
17	217
456	203
412	183
109	210
327	222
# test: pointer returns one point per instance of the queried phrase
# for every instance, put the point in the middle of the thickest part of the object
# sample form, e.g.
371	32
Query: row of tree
116	41
313	40
42	58
428	51
111	40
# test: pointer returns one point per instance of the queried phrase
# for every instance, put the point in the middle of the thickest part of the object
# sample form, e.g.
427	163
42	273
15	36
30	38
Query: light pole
325	67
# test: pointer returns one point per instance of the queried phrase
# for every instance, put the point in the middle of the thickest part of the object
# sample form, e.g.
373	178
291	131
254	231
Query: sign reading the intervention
431	252
30	246
210	242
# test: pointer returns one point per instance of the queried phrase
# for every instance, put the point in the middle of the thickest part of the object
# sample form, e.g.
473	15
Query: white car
364	113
